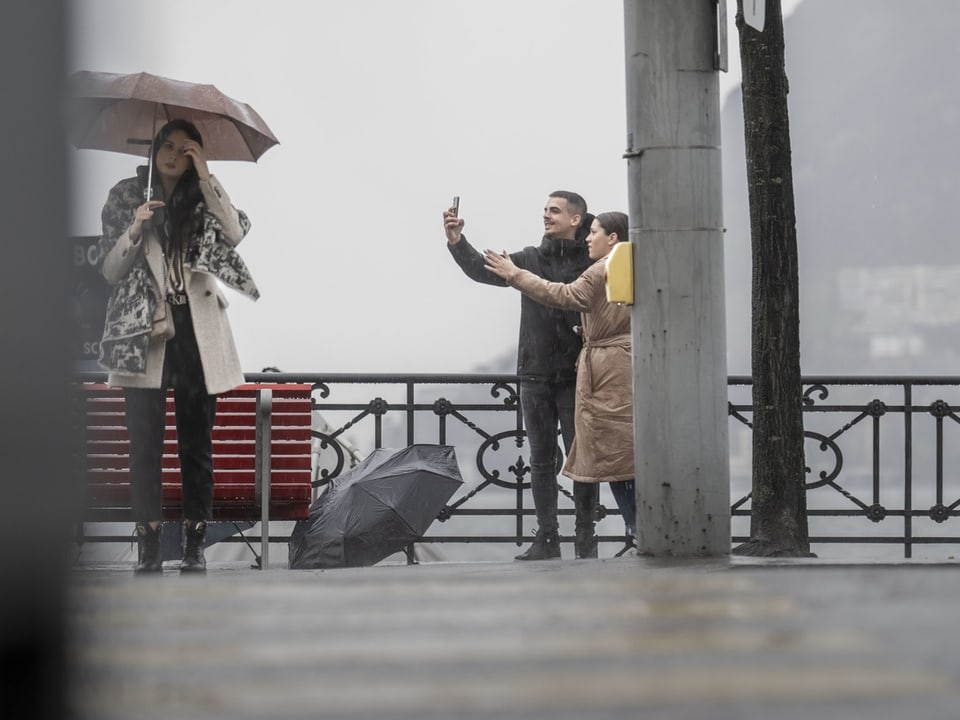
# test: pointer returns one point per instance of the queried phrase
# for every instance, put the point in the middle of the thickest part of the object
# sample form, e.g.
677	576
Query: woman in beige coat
602	448
167	327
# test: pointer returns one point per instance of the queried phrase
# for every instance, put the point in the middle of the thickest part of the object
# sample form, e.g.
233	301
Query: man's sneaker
546	546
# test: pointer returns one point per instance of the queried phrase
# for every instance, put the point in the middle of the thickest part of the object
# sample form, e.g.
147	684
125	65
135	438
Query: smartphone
456	205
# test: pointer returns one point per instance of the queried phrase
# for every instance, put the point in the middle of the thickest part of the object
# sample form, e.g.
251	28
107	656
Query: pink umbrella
122	113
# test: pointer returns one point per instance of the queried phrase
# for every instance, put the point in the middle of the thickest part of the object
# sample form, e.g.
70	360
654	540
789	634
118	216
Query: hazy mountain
875	128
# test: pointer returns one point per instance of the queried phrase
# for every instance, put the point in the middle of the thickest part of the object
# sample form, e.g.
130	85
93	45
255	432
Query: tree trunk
778	519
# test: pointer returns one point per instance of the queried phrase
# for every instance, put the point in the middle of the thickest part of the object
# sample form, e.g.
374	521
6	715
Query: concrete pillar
676	227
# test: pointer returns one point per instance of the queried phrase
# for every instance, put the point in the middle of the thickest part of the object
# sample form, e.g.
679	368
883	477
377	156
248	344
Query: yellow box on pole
620	274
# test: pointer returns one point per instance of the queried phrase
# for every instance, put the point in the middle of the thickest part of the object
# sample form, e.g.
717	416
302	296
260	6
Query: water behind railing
882	456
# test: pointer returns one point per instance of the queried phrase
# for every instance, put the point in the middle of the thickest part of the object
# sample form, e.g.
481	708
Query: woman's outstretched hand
499	264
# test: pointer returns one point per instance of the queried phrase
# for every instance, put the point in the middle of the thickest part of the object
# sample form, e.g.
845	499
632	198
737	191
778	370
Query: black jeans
624	493
195	411
544	406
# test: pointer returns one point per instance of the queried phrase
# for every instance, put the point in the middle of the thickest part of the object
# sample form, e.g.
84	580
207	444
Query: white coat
207	302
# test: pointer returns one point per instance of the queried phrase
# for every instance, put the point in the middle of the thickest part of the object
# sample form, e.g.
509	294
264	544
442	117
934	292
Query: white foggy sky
384	111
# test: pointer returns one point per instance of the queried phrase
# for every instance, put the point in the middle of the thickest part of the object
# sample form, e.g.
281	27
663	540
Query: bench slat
220	447
226	491
172	475
220	462
219	433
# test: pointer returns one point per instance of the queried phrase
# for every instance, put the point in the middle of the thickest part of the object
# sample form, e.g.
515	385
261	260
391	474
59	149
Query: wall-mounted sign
88	302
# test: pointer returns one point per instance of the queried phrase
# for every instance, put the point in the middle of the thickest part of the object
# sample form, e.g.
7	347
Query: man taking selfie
547	349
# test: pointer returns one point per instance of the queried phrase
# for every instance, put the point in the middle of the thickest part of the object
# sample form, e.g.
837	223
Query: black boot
585	542
546	546
149	557
585	498
193	558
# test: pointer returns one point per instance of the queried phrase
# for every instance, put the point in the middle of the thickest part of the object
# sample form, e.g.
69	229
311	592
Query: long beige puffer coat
603	447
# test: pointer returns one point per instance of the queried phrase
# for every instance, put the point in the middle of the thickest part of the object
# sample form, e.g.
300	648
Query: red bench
261	449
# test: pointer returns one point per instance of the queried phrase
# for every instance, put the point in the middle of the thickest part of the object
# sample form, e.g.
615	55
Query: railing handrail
478	378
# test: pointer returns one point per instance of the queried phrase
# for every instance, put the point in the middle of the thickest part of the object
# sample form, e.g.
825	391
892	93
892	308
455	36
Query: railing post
411	414
262	472
908	470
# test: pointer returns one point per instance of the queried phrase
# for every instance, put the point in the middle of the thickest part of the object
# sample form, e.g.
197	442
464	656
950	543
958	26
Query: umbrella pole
156	110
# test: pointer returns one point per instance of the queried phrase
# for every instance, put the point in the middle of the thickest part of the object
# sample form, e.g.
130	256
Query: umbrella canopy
378	508
122	113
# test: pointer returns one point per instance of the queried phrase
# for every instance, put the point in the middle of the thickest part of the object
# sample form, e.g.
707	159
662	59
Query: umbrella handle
148	190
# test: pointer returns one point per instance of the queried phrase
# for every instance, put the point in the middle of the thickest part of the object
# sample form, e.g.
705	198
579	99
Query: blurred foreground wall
33	370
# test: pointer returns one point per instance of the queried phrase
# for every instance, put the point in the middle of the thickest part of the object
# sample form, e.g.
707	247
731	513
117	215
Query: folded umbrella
377	509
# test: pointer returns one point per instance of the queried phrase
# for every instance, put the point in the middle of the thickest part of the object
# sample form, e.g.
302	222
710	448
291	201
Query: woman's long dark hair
186	195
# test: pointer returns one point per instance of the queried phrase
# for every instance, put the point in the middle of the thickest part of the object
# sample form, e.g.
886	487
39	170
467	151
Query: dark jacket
548	346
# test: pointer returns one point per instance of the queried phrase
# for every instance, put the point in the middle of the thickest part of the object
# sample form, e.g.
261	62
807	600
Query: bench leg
263	468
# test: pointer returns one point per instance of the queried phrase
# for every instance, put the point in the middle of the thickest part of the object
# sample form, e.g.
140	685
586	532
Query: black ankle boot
546	546
193	559
585	542
585	499
149	557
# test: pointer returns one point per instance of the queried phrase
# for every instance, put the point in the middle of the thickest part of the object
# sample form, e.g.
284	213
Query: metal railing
882	456
882	453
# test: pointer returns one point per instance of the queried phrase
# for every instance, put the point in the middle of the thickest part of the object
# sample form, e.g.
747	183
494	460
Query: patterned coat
602	449
136	272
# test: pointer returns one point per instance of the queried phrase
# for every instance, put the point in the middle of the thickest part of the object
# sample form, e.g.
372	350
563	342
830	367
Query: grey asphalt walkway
618	638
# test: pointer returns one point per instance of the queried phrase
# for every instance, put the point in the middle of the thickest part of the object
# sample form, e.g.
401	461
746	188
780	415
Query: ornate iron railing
882	454
478	414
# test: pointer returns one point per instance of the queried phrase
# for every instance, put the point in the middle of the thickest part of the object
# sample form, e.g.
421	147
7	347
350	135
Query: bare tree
778	518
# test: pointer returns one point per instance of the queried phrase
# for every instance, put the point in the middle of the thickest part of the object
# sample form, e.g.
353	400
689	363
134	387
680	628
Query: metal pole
676	226
263	468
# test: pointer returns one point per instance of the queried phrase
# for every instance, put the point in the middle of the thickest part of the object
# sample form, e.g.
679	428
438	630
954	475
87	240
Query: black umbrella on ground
377	509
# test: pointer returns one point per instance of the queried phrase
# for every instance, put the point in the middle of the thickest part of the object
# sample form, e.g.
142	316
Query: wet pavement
615	638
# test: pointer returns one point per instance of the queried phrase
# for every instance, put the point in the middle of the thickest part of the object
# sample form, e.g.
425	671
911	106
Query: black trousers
545	405
624	493
195	412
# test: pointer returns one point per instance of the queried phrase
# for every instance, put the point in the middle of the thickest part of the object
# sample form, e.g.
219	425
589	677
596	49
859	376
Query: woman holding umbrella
602	449
167	327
